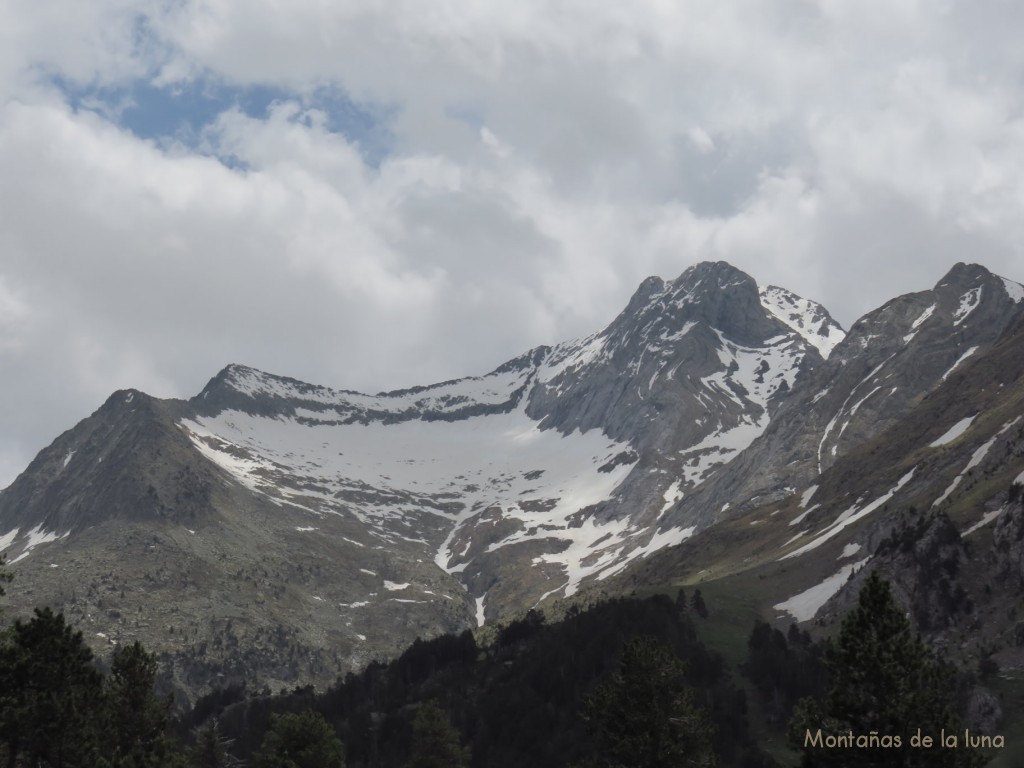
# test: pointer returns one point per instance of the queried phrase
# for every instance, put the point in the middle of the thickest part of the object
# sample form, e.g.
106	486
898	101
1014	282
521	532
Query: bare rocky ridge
932	502
888	361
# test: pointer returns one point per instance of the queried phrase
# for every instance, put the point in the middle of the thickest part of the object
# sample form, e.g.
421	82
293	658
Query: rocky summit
279	532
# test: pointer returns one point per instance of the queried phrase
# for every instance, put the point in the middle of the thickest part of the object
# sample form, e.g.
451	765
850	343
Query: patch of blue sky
470	114
180	112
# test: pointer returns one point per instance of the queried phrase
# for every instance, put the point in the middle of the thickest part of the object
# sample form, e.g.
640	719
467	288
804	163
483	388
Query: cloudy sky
372	195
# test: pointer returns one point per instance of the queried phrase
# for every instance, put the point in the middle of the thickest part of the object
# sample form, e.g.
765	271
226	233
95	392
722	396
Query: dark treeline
625	677
523	701
624	683
783	669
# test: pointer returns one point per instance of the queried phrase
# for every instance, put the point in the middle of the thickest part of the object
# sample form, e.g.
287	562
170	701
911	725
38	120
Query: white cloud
15	319
542	160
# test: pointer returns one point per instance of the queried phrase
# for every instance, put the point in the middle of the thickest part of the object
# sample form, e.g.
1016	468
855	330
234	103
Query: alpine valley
715	433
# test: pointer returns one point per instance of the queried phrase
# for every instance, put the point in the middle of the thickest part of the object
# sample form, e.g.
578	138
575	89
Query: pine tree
882	679
645	717
681	599
211	749
304	740
698	604
137	717
435	741
5	575
49	695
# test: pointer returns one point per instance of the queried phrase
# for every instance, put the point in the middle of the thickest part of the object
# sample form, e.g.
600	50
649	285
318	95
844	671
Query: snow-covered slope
555	468
417	480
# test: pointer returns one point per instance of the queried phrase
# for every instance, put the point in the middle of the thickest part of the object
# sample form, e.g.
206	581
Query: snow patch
480	610
959	360
953	432
849	517
800	518
917	324
807	496
36	537
805	317
922	317
842	409
952	487
719	448
968	303
979	455
393	587
7	538
1014	290
987	518
849	551
410	471
794	538
571	356
660	540
976	458
805	606
671	496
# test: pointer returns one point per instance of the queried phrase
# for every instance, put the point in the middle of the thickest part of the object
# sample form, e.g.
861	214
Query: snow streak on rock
849	517
987	518
31	540
959	360
968	303
1014	290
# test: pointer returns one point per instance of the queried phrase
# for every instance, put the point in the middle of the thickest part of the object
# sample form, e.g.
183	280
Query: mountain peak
722	296
967	287
963	275
806	317
721	273
240	386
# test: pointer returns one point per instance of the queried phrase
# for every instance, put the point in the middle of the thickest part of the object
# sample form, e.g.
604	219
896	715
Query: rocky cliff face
931	501
877	374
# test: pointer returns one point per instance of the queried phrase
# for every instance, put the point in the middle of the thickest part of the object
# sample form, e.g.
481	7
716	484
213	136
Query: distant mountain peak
715	294
712	279
721	271
963	275
806	317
